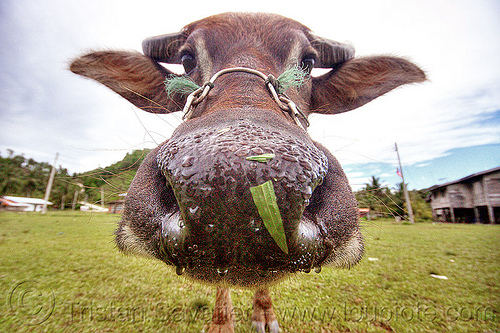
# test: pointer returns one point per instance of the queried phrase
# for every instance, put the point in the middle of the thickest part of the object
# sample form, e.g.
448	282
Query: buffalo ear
137	78
359	81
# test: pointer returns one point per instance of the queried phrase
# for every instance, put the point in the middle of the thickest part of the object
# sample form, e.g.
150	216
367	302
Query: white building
475	198
23	204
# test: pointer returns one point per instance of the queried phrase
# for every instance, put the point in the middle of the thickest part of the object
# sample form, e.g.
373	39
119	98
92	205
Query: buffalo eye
188	62
307	64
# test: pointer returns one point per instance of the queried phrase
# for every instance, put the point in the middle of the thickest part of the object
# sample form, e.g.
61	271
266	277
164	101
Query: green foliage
24	177
263	158
114	179
384	202
264	198
421	208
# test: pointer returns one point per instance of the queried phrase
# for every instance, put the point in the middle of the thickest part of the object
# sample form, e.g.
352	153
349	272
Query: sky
445	128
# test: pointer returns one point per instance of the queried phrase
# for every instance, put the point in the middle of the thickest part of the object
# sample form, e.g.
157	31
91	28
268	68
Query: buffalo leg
222	317
263	312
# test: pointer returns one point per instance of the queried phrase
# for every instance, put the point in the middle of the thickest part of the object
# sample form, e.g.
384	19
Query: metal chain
285	103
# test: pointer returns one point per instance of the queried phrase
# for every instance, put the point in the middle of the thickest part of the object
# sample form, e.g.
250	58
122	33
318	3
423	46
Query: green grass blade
263	158
265	199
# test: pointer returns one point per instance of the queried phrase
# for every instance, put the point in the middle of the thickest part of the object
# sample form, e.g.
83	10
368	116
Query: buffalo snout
210	166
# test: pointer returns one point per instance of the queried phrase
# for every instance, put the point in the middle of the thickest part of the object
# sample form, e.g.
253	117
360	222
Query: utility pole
75	198
63	201
49	185
102	196
77	192
405	190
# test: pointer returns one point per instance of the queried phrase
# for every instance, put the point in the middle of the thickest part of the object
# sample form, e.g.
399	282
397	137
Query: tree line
25	177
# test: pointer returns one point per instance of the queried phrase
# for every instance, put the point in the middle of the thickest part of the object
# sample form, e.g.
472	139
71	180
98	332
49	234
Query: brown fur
263	311
329	217
130	74
360	81
222	317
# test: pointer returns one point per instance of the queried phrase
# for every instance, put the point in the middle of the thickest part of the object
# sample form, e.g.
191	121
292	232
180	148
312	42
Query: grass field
61	273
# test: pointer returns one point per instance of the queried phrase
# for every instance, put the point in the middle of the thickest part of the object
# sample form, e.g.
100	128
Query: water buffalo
240	195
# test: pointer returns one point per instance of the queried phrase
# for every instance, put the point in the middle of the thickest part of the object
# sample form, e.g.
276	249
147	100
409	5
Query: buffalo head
191	203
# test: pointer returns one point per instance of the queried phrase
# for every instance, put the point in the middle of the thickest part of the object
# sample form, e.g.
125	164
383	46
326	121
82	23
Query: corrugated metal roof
474	175
31	201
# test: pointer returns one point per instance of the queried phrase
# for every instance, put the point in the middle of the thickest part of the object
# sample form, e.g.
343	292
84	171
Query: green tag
265	200
261	158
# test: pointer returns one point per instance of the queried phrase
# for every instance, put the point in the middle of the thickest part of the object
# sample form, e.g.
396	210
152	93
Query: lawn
61	272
